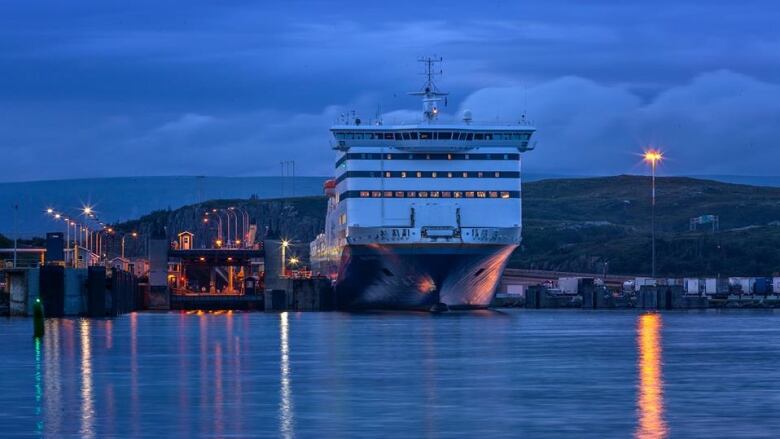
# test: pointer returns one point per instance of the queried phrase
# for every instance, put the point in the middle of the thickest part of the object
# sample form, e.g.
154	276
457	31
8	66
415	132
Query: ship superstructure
422	215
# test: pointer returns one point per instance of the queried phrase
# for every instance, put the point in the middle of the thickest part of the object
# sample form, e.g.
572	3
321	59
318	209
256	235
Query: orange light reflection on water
650	401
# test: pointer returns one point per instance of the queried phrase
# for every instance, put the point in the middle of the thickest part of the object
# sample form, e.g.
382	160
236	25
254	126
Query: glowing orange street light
653	157
218	242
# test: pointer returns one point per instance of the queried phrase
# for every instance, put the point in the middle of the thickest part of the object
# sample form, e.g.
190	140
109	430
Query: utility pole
16	232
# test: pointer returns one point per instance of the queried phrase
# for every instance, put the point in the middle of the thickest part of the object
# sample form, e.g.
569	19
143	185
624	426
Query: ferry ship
425	215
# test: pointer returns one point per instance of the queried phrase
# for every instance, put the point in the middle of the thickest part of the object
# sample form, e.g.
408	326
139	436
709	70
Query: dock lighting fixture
653	157
294	261
218	242
57	216
285	244
110	230
238	242
205	220
50	211
87	210
135	234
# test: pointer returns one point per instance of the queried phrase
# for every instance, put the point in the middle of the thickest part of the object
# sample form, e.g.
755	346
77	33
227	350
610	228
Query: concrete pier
71	291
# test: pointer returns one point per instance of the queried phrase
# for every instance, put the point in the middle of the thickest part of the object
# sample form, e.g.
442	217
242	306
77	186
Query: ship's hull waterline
413	277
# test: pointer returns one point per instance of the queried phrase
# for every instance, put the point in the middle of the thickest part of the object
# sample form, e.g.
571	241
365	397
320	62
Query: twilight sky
115	88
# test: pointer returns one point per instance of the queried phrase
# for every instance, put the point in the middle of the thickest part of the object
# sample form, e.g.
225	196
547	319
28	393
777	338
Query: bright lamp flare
653	156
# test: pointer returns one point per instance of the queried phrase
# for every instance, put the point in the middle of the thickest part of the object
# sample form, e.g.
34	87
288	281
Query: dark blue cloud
233	87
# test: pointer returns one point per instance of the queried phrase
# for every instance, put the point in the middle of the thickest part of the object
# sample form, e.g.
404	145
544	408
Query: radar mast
430	93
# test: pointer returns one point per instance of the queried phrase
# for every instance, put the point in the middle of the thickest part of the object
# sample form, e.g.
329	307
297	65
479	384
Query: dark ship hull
415	277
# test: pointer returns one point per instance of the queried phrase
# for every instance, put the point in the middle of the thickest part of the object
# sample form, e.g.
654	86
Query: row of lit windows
428	174
419	156
430	194
433	135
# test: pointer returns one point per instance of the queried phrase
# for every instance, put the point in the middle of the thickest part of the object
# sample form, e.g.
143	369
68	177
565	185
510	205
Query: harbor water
514	373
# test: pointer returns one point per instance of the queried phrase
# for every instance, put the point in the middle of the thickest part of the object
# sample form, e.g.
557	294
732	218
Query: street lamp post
653	157
285	244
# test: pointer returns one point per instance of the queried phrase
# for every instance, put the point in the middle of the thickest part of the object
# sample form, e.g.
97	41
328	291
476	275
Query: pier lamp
294	261
285	244
87	210
218	243
653	157
50	211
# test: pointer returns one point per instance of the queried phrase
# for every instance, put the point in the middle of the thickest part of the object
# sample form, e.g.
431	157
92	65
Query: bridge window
411	194
446	194
376	194
422	194
469	194
445	136
425	135
481	194
403	174
493	194
504	194
457	194
434	194
399	194
388	194
364	194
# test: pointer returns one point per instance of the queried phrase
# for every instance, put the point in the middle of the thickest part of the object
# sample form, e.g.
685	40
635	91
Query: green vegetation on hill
579	224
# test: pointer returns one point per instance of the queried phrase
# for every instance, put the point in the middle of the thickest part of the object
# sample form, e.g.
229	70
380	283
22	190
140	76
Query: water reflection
87	402
38	387
285	392
52	390
650	401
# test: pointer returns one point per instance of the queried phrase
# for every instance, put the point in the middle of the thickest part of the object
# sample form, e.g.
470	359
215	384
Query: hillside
579	224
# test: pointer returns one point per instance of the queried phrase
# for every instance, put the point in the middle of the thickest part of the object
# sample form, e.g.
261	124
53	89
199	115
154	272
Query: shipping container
762	286
714	285
743	284
515	290
694	285
644	281
569	285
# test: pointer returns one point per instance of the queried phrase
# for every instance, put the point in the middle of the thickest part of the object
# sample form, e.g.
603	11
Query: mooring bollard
38	327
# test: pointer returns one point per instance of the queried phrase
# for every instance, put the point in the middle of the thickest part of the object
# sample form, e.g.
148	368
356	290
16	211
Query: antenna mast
431	95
